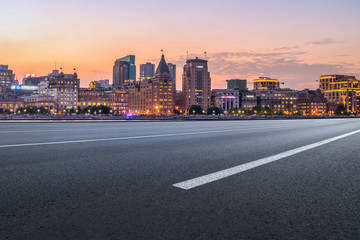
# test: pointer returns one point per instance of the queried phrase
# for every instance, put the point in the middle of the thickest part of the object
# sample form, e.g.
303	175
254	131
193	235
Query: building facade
147	70
265	83
153	96
172	68
312	103
339	89
248	99
124	69
226	99
39	100
6	78
238	84
10	102
196	83
281	101
64	87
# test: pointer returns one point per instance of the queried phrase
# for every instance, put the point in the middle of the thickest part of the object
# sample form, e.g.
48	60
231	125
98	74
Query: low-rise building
280	100
39	100
266	83
312	102
339	89
248	99
10	102
226	99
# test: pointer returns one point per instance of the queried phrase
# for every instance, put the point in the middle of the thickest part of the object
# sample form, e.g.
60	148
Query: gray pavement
114	180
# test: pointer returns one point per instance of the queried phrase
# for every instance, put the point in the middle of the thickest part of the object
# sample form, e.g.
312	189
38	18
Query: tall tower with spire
163	89
154	95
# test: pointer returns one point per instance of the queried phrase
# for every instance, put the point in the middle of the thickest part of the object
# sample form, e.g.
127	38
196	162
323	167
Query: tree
341	110
213	110
176	112
194	109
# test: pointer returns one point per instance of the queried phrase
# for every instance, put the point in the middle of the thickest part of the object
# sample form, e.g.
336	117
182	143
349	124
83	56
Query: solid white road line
147	136
196	182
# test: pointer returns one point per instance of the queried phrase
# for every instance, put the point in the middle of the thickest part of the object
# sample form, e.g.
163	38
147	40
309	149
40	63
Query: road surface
276	179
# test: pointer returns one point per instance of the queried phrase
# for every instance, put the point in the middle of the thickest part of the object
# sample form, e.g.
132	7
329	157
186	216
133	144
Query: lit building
124	69
172	68
64	87
39	100
284	100
339	89
248	99
147	70
120	102
226	99
6	78
238	84
196	83
11	102
91	98
265	83
312	102
153	96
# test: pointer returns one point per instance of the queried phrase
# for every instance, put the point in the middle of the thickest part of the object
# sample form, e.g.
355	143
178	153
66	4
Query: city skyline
241	40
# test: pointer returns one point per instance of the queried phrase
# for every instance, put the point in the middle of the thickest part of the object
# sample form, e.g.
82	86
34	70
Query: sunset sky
294	41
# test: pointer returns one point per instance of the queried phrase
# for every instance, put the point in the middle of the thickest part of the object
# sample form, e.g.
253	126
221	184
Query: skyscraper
172	68
147	70
124	69
6	77
196	83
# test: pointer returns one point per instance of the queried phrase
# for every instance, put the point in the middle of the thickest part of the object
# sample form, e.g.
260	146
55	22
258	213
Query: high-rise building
265	83
196	83
147	70
172	68
6	77
237	84
339	89
124	69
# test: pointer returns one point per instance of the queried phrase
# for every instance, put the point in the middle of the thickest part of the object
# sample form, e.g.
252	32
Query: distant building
64	88
153	96
265	83
339	89
39	100
147	70
93	97
10	102
6	78
226	99
284	100
179	101
124	69
238	84
172	68
30	79
196	83
120	102
99	84
312	102
248	99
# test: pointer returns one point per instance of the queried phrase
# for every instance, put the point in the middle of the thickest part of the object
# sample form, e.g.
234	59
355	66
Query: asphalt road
117	180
